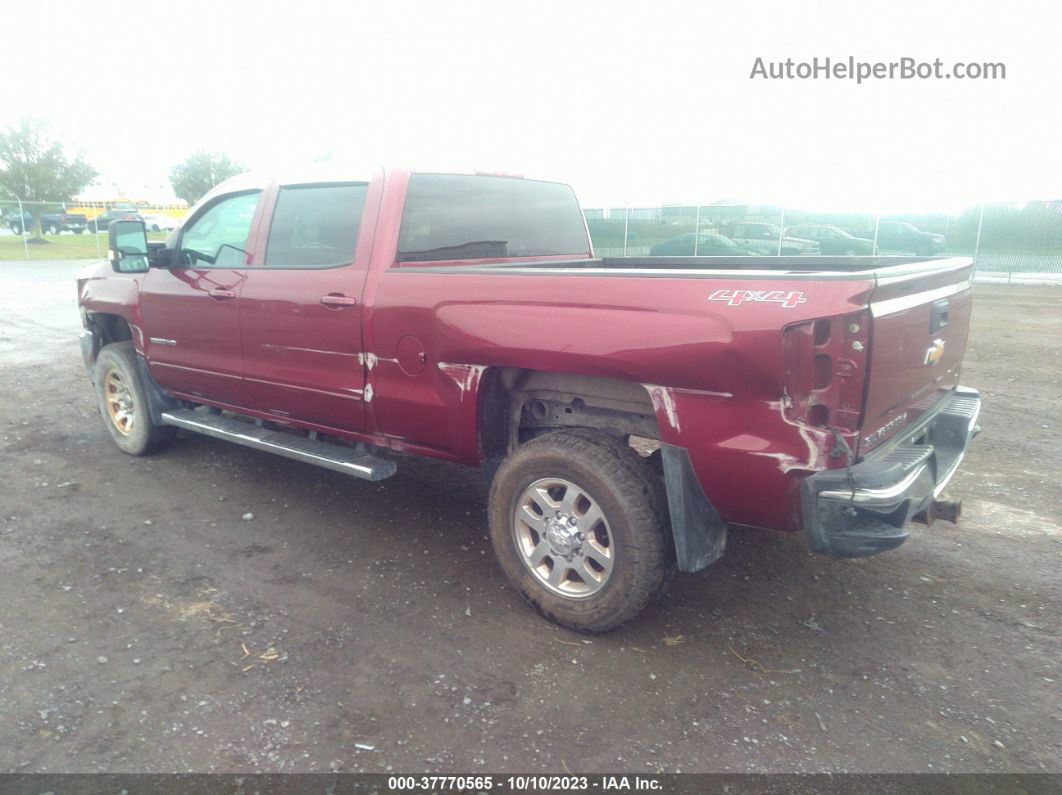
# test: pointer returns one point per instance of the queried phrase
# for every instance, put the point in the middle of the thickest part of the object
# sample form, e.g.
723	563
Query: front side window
218	236
315	226
451	217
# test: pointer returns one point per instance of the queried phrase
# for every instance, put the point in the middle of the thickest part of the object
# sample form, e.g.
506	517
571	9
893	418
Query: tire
53	229
79	230
154	227
123	403
16	229
607	475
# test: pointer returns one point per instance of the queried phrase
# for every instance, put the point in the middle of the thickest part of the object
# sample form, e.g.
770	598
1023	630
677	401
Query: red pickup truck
625	411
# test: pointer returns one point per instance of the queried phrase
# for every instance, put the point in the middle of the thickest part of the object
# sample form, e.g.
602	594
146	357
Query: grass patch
61	246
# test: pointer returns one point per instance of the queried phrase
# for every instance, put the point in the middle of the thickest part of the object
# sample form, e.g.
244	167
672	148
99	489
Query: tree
199	172
35	167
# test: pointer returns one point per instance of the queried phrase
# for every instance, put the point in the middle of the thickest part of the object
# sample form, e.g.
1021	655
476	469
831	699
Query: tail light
826	366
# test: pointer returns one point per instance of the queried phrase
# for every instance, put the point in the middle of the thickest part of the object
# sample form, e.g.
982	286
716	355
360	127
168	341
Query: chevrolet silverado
628	413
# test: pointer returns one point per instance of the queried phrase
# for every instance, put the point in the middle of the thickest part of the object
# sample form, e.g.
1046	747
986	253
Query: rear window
449	217
315	226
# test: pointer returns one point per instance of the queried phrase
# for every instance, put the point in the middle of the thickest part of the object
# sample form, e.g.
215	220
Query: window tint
449	217
219	236
315	226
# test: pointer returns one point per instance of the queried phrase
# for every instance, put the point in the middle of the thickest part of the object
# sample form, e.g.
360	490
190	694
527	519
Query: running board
338	458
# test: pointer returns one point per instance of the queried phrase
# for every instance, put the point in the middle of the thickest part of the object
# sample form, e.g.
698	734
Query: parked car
762	238
340	321
833	240
905	237
705	244
160	222
101	221
51	223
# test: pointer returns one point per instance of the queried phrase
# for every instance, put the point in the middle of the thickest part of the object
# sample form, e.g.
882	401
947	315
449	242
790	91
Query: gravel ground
148	625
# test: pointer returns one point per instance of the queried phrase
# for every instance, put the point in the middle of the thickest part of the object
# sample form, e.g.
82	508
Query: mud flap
159	400
698	529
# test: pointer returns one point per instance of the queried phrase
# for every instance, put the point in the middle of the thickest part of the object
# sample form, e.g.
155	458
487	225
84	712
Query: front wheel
53	229
123	402
577	524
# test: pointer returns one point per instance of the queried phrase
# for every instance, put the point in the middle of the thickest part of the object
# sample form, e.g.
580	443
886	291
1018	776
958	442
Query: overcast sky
630	102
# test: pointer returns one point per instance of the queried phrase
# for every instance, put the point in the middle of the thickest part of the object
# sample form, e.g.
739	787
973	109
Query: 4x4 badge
787	298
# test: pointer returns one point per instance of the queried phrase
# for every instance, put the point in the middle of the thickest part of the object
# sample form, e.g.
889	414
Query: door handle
938	317
338	300
220	294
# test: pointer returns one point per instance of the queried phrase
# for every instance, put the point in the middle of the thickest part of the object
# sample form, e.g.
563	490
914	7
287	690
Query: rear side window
315	226
449	217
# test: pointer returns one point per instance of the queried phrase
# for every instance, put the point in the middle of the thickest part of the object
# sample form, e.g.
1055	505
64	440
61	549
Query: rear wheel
53	229
123	402
577	523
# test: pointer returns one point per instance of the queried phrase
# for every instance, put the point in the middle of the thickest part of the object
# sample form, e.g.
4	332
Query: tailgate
920	322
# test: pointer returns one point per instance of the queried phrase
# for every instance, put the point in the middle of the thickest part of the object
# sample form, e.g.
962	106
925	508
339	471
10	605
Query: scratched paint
466	376
664	401
816	458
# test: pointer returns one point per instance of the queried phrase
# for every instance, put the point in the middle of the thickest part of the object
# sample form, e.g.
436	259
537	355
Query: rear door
300	307
920	322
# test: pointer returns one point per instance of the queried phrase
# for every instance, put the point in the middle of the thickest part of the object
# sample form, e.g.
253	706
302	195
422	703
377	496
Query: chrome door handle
221	295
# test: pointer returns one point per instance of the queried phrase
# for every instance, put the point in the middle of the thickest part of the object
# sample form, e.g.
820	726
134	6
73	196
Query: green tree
36	167
193	177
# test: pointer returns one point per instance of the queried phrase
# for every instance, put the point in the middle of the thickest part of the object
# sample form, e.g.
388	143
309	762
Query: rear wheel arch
518	404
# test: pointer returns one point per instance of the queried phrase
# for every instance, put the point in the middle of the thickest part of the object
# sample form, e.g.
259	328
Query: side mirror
127	246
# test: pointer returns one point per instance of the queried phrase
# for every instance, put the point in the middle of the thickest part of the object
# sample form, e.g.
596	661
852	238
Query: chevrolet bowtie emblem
934	352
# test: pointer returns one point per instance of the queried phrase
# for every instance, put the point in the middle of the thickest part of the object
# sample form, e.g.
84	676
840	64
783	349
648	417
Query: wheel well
111	328
517	405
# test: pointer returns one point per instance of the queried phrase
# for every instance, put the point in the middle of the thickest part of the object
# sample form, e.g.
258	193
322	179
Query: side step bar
338	458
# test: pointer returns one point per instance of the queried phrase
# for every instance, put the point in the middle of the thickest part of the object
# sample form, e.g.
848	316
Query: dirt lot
146	626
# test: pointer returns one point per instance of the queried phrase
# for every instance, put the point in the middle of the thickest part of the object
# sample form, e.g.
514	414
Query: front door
190	310
300	309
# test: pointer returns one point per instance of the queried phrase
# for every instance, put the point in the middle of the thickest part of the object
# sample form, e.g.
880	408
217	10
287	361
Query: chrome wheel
119	401
563	537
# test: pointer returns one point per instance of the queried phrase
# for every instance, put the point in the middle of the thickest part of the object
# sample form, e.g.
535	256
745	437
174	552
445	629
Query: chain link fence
1008	241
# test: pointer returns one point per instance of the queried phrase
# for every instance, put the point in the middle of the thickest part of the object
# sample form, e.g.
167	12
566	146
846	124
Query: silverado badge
934	352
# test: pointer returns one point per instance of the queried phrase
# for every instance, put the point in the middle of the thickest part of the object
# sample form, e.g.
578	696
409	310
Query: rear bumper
864	509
